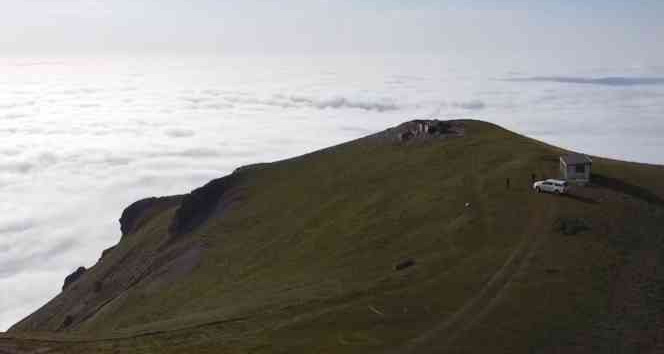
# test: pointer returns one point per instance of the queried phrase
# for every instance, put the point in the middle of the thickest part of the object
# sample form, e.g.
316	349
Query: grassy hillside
381	245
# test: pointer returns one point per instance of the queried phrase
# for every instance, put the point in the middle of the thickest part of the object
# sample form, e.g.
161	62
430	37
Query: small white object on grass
375	310
467	205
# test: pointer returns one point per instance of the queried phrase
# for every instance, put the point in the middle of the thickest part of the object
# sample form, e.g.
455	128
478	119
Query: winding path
479	305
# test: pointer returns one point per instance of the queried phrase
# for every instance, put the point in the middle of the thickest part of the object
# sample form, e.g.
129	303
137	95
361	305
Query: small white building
575	168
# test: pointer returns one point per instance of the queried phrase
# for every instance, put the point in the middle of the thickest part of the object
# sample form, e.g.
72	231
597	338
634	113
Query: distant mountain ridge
607	81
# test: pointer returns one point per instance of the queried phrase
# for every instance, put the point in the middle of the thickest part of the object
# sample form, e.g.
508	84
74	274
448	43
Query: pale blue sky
624	31
620	31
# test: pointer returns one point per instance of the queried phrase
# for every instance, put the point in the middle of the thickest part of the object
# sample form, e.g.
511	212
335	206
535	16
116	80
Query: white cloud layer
81	139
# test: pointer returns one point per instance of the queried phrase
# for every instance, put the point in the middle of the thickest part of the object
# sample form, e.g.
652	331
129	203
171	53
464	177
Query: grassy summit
391	243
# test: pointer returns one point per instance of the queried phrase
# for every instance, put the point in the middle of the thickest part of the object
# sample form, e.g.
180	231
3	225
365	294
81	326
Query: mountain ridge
310	246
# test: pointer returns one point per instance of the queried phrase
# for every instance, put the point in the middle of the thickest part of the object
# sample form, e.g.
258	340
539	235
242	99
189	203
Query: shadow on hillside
579	198
626	188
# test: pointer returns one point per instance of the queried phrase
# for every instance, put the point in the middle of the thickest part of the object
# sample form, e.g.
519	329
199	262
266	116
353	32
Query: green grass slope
301	255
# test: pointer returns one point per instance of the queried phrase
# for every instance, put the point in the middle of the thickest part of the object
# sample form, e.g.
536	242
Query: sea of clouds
82	138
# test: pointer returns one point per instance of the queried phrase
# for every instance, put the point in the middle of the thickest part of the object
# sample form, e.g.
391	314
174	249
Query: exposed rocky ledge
137	213
73	277
198	205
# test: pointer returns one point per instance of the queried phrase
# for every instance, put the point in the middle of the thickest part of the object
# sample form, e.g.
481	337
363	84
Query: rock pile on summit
421	129
428	128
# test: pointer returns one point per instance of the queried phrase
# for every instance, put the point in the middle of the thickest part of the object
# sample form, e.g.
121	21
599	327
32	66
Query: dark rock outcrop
406	263
198	205
73	277
67	322
136	214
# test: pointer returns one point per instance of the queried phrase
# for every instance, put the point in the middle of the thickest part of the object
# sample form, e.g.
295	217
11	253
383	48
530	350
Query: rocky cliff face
71	278
197	206
153	260
139	212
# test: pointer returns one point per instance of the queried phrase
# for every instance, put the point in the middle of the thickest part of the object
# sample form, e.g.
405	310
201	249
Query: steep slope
409	240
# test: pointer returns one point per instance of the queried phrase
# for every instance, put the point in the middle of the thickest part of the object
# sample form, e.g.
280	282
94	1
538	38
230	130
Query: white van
551	185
